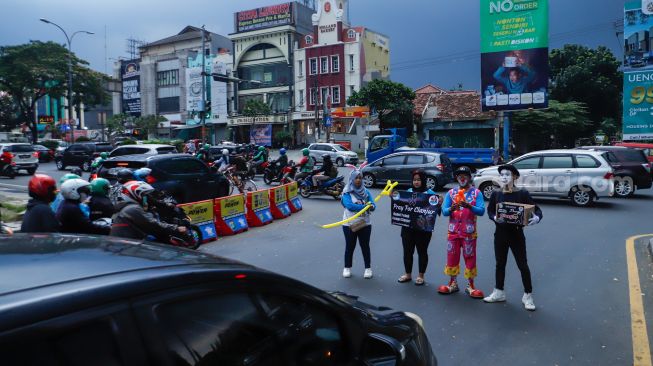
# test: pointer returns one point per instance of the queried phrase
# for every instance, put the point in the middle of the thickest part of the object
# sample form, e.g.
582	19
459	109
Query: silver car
147	149
579	175
339	154
23	155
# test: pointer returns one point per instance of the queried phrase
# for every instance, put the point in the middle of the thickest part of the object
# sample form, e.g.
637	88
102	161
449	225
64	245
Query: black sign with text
415	210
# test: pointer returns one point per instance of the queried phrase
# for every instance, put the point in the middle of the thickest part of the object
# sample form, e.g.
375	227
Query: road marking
13	186
641	346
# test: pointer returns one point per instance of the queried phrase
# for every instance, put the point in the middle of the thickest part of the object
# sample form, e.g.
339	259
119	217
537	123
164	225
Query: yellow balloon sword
386	192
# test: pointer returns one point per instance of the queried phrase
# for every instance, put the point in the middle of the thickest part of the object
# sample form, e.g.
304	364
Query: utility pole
316	95
203	102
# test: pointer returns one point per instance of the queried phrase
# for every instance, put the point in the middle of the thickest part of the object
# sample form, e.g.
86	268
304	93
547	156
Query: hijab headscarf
422	178
360	192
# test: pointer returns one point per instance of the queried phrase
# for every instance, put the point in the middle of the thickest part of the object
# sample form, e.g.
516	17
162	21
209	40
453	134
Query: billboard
261	135
219	110
638	71
131	87
514	54
265	17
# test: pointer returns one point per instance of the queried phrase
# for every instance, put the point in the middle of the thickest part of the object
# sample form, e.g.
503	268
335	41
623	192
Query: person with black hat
510	236
462	204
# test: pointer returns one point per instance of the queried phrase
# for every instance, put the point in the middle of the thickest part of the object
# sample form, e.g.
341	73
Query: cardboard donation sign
515	213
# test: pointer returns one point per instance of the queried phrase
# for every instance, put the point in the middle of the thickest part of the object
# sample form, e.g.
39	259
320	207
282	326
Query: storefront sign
131	89
258	120
414	210
266	17
261	135
46	119
328	28
350	112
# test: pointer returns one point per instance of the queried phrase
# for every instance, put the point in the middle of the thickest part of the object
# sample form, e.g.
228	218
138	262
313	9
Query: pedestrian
39	217
356	197
511	236
412	239
462	204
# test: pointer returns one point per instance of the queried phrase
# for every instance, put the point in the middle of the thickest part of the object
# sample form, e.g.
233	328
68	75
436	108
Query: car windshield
630	155
340	148
21	148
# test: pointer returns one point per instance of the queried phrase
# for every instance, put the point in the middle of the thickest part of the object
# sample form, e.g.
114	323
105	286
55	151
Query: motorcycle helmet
206	146
282	151
142	173
261	148
42	187
101	187
136	192
68	176
326	157
225	152
75	189
76	171
104	155
305	152
124	175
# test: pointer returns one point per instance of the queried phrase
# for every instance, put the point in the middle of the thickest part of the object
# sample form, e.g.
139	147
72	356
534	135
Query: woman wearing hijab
355	197
415	238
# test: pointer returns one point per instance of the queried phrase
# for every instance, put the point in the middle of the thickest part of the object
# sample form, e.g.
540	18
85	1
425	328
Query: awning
186	127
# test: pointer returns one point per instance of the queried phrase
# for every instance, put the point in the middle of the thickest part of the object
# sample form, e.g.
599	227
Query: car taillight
35	154
150	179
608	175
647	166
440	167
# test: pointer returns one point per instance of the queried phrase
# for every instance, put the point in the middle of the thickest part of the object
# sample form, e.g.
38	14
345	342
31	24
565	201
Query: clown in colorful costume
462	204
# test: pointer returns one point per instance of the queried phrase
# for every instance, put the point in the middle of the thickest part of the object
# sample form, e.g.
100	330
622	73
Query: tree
8	113
116	124
30	71
392	101
255	107
148	124
589	76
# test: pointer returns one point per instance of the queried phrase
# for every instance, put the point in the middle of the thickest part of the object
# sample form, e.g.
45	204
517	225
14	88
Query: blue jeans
363	237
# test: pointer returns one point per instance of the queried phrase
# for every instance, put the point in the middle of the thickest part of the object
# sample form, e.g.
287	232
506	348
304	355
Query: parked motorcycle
332	187
166	207
9	170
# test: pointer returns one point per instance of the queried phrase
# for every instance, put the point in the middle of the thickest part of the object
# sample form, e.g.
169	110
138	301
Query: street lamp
70	72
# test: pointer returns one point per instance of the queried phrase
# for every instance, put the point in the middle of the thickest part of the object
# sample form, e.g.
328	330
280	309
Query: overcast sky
432	41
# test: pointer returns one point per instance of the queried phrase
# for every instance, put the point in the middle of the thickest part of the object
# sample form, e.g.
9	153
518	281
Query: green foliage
413	141
82	139
148	124
50	144
282	138
128	141
389	99
8	113
256	108
116	124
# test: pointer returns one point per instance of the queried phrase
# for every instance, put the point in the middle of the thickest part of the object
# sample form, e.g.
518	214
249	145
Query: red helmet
42	186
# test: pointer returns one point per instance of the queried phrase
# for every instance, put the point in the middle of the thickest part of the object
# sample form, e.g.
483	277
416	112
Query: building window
351	62
309	39
313	64
324	65
335	95
168	105
335	64
312	96
167	78
351	34
301	97
324	95
300	67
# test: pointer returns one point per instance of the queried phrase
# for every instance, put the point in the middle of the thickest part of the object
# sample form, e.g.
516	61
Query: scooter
288	172
252	169
9	170
272	174
332	187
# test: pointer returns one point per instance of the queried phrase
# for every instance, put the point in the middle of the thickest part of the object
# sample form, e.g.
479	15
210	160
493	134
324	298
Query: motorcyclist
97	161
76	191
281	162
259	158
5	159
141	174
123	176
58	200
205	153
305	165
39	218
100	204
133	218
223	162
326	172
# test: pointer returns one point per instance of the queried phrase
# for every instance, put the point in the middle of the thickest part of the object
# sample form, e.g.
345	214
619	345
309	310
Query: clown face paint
463	180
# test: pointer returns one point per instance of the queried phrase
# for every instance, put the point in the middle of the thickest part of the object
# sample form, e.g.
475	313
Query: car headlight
415	317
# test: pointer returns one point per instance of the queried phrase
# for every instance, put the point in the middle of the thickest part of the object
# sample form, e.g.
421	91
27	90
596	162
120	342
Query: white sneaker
496	296
368	273
346	273
527	300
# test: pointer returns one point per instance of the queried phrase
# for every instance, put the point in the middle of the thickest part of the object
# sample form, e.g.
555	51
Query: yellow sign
232	206
280	194
199	211
292	190
260	200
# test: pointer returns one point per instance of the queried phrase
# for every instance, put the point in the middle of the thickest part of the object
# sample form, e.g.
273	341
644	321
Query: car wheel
86	166
432	183
368	180
340	162
582	196
60	165
487	188
624	187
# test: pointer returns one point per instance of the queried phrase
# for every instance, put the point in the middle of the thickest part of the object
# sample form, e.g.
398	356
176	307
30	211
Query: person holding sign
510	235
412	238
462	204
355	198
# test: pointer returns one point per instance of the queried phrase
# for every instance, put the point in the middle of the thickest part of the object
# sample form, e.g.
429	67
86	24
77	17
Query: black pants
511	237
411	239
363	238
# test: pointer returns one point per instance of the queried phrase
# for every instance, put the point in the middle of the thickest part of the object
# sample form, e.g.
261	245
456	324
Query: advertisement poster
131	88
193	89
414	210
261	135
219	112
231	215
514	54
638	71
266	17
260	200
201	214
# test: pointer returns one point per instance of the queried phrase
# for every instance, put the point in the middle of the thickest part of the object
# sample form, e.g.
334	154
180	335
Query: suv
23	155
579	175
143	149
182	176
90	299
399	167
631	168
339	154
81	154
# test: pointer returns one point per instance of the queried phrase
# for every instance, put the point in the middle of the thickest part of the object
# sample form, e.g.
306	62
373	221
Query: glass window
265	75
21	148
170	104
340	148
324	65
528	163
279	102
309	40
557	162
182	166
313	95
335	63
167	78
631	155
324	94
313	66
394	160
300	67
351	34
351	62
166	150
335	92
586	161
379	143
415	160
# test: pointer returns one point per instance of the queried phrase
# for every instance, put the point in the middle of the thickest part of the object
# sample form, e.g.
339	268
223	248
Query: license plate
24	156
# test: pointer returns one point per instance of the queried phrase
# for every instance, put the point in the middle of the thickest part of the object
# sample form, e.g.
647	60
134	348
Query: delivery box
515	213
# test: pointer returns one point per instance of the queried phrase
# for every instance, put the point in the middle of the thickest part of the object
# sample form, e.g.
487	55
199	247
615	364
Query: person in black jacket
100	204
39	217
510	236
73	220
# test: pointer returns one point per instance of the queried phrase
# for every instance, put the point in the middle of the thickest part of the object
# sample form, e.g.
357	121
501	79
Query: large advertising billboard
131	88
638	71
514	54
265	17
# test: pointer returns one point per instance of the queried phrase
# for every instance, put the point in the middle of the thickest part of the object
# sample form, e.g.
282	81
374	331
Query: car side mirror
380	349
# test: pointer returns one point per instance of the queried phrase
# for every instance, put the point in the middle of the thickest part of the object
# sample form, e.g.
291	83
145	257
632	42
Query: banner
261	135
414	210
131	88
279	202
194	89
258	208
638	71
514	54
201	214
230	215
294	202
266	17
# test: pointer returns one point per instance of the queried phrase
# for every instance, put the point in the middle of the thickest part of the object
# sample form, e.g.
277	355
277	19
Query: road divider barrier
279	202
229	215
294	203
201	214
258	208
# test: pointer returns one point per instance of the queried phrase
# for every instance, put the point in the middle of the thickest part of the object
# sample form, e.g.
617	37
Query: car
632	169
146	149
340	155
84	300
45	155
23	155
398	167
582	176
216	151
182	176
81	154
646	148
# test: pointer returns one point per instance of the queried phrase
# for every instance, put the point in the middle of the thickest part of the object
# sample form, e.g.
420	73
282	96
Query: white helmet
75	189
136	191
225	152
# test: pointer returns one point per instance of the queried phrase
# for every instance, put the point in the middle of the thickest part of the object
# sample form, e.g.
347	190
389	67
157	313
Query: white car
142	149
339	154
582	176
23	155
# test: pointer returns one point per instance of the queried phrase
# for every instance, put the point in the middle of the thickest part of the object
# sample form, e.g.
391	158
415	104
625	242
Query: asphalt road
577	257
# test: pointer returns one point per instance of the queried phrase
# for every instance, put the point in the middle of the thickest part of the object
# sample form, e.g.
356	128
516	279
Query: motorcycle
9	170
273	174
288	172
166	208
332	187
252	169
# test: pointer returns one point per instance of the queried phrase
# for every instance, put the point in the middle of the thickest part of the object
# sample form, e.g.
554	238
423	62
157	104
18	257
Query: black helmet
326	157
463	170
124	175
